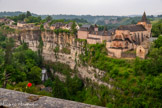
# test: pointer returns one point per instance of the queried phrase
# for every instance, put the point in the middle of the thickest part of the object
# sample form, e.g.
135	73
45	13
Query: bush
66	50
34	75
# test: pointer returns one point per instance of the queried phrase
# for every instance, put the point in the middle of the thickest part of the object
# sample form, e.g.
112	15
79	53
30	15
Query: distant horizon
136	15
84	7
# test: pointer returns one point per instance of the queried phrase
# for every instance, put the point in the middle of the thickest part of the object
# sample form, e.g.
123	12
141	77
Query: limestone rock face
15	99
50	42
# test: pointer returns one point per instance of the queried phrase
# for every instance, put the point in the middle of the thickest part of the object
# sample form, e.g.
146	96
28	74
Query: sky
84	7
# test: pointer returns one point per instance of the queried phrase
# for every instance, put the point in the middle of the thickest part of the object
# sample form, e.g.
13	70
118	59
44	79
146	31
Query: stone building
46	25
21	24
84	31
69	25
57	25
61	25
129	37
93	35
124	38
6	21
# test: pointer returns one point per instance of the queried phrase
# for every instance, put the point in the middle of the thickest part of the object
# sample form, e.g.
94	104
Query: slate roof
22	22
93	38
103	33
58	24
70	24
132	28
90	28
85	27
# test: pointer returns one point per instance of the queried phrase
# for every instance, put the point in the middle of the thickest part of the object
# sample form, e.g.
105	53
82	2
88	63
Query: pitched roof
85	28
132	28
22	22
58	24
70	24
144	18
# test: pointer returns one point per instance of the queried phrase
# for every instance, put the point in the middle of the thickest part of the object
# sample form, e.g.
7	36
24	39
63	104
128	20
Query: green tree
74	30
34	75
8	58
157	29
28	14
59	90
48	18
158	42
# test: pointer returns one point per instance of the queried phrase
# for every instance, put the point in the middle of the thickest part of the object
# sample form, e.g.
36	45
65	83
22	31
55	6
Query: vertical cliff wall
51	41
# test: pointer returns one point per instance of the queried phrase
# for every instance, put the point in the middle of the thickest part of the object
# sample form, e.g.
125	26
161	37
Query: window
126	44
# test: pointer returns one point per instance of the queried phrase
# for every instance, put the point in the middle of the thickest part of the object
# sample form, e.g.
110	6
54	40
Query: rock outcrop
50	42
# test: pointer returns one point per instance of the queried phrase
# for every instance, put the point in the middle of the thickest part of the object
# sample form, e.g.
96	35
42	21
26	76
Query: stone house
6	21
57	25
93	35
28	26
21	24
46	25
2	20
84	31
63	26
69	25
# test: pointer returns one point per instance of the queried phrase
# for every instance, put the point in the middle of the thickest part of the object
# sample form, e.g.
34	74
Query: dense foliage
18	66
27	17
138	82
157	29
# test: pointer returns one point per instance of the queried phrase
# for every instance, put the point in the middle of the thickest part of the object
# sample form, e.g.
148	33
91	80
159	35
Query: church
130	37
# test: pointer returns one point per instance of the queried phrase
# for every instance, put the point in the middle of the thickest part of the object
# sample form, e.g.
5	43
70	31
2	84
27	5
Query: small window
140	50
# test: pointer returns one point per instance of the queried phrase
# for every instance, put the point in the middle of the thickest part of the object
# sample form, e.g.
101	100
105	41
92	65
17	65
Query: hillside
110	21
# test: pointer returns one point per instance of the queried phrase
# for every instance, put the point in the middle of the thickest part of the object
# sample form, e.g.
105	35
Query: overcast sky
79	7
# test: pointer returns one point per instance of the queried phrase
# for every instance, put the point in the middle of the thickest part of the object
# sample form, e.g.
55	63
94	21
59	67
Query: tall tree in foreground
74	30
8	58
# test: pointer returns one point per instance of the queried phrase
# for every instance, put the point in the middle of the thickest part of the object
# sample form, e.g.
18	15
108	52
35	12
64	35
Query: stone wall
115	52
83	34
128	55
15	99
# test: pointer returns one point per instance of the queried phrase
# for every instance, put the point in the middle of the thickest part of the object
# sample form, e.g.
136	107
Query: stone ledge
16	99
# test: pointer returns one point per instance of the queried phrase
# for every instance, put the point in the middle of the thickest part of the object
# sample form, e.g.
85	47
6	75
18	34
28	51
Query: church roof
144	18
132	28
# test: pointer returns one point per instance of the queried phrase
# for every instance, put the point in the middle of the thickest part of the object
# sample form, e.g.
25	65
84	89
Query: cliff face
50	42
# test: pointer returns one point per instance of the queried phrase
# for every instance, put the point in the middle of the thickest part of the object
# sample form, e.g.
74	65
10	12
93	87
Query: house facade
93	35
6	21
